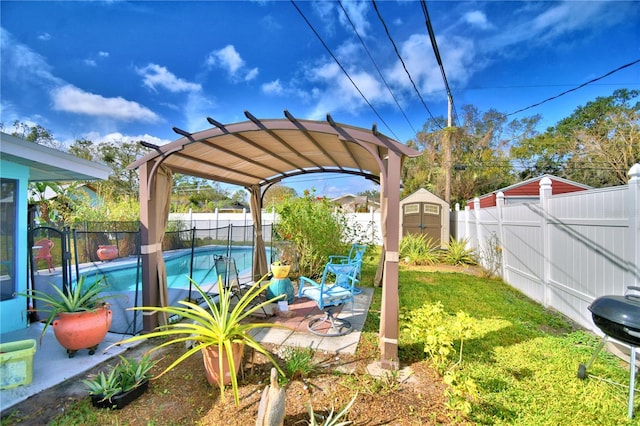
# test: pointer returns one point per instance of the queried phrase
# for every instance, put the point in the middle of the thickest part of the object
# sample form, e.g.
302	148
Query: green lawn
522	357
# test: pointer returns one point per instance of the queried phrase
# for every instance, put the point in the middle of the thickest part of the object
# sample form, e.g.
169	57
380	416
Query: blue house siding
13	312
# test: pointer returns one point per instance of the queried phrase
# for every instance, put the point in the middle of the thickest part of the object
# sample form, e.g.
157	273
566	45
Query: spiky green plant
81	297
459	254
418	249
220	325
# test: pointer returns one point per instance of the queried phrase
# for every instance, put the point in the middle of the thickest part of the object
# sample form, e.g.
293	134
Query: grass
523	358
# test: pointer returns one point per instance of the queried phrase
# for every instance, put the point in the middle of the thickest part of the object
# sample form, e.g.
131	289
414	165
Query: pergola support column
389	325
148	250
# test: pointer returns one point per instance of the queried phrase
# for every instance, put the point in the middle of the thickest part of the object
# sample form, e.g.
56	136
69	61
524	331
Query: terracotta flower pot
82	330
211	366
107	252
280	271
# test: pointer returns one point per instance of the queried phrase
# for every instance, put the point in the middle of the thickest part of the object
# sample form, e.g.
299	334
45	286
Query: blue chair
356	254
336	287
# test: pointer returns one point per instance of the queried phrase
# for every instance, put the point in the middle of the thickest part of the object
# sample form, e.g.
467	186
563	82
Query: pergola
256	154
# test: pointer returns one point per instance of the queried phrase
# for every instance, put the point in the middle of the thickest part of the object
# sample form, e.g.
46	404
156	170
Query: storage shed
529	190
425	213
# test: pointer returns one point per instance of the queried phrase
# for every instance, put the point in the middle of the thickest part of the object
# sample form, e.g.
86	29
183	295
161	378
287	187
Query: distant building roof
530	189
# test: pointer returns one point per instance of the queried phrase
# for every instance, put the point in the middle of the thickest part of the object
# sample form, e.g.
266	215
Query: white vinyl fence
365	223
565	250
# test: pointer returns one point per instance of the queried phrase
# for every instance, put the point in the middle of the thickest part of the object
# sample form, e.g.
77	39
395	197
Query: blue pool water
123	292
122	278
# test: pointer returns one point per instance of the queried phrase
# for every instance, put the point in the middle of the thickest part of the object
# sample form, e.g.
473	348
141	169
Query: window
411	208
431	209
8	225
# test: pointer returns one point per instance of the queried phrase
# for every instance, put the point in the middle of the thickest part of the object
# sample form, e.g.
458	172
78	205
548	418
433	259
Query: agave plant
217	325
81	297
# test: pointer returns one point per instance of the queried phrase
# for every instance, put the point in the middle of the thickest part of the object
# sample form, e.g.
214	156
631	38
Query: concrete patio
52	366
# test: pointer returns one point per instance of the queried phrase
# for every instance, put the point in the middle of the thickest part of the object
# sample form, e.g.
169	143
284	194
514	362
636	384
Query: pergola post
389	325
147	250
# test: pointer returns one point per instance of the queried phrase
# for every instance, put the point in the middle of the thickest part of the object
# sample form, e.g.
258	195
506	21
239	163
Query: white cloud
229	60
90	62
103	54
477	19
20	63
158	76
357	11
98	138
44	36
72	99
272	88
253	73
458	56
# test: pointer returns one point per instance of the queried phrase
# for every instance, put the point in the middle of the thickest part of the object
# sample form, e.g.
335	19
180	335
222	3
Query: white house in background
22	162
356	203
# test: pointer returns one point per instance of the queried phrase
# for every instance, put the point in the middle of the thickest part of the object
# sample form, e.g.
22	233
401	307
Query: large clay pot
212	368
82	330
107	252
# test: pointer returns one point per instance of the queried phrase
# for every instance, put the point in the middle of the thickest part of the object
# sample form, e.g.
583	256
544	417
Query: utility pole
446	146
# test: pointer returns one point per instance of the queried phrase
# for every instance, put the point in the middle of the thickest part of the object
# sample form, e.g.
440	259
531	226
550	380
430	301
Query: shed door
422	218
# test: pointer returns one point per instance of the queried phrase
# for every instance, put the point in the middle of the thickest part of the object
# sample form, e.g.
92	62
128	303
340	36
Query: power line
415	88
436	52
342	68
376	66
576	88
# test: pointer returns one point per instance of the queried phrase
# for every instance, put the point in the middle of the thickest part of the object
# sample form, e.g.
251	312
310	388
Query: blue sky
116	71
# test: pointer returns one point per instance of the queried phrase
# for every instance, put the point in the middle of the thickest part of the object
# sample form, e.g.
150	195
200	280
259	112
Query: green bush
418	249
459	254
311	224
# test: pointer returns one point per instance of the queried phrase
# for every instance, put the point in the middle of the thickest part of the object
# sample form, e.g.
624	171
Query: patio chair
356	254
228	272
44	247
336	287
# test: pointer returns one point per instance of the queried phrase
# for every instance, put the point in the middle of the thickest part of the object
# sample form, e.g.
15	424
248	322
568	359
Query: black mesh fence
110	251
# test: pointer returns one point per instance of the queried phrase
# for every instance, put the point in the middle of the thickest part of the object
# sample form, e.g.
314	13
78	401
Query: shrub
417	249
459	254
317	232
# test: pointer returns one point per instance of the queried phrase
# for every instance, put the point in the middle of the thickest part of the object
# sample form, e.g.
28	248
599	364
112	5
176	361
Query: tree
596	145
276	194
478	160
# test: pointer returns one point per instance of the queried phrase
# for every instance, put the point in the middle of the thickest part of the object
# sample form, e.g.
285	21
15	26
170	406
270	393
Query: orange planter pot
107	252
82	330
212	368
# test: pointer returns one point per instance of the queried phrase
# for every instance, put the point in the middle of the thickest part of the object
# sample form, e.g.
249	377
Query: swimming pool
128	276
123	290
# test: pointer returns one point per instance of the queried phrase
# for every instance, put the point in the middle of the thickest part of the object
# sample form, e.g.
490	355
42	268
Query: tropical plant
125	376
332	419
220	325
458	253
79	298
418	249
298	362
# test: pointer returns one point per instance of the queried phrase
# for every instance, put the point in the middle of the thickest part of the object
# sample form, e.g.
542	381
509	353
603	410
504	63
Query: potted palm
79	316
125	382
219	330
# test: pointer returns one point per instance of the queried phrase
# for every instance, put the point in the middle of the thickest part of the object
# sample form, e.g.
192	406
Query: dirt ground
184	397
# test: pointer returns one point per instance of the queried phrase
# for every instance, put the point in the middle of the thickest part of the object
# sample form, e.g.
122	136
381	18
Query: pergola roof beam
346	136
279	139
311	139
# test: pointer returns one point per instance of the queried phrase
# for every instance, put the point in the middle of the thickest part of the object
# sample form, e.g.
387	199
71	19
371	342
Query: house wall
13	312
564	250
